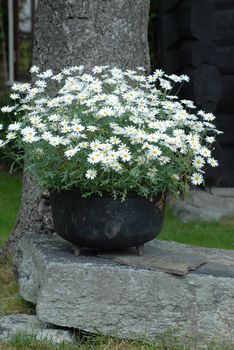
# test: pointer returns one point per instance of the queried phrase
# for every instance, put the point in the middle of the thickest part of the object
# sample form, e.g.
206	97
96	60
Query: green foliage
10	193
25	54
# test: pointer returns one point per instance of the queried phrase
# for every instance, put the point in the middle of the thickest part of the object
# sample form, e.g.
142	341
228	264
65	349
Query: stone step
205	205
31	325
128	297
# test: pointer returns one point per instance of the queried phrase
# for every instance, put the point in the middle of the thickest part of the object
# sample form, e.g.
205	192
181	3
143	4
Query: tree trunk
81	32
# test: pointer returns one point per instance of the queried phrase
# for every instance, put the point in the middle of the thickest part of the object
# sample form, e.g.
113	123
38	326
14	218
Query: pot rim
131	194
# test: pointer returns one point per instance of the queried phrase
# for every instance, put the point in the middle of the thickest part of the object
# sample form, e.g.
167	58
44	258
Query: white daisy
198	162
213	162
91	174
196	179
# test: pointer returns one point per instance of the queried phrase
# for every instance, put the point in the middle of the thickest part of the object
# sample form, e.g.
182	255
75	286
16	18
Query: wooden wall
196	37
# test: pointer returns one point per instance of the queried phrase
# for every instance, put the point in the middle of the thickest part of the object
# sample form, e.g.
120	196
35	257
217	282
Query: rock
30	324
204	205
101	296
158	258
223	191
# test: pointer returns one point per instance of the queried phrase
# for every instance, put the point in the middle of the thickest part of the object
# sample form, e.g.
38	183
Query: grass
215	234
10	192
10	299
90	342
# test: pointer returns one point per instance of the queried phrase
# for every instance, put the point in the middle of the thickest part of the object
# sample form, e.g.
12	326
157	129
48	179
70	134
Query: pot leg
77	250
139	249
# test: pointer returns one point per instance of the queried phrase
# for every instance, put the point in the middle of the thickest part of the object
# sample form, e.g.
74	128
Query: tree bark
81	32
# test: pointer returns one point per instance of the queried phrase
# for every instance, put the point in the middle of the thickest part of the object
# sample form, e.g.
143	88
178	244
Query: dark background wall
196	37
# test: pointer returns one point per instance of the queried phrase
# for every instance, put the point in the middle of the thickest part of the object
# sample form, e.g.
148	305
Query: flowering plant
110	131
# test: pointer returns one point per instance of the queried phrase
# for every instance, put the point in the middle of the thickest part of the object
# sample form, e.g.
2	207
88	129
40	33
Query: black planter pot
104	223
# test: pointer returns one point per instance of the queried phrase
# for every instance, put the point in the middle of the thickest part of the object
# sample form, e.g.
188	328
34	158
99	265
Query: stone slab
158	258
223	191
102	296
30	324
204	205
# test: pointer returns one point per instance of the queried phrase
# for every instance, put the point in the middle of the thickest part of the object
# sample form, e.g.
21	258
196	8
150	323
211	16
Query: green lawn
215	234
10	192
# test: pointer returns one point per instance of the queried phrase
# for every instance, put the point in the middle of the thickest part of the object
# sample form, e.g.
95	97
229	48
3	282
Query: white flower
154	152
77	127
92	128
66	128
116	73
198	162
125	156
95	86
188	103
174	78
165	84
55	140
57	77
47	74
97	69
185	77
95	145
41	83
66	71
212	162
175	177
7	109
87	78
196	179
106	112
158	73
25	87
30	138
35	119
34	69
208	116
198	127
205	152
94	157
115	140
68	99
11	135
116	166
91	174
70	152
14	96
1	127
15	87
83	144
28	131
210	139
54	117
14	126
46	136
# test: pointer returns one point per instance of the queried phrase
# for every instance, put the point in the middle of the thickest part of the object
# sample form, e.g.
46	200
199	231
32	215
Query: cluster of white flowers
109	122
